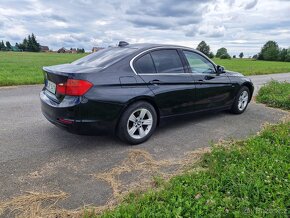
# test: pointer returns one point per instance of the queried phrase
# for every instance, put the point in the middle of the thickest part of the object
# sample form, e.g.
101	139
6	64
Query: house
96	49
63	50
73	51
44	48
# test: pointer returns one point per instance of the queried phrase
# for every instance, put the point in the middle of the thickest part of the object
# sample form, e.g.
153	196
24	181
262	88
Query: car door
164	72
213	90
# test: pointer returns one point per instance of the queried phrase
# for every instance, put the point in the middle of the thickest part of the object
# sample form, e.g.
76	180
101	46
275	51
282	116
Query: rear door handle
155	82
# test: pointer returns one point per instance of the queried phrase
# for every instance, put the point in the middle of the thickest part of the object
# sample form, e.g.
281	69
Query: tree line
269	52
29	43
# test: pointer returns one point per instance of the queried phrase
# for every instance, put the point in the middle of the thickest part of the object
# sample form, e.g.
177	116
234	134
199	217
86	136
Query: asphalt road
37	156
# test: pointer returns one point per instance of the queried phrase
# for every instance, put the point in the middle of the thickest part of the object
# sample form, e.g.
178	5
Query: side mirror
220	69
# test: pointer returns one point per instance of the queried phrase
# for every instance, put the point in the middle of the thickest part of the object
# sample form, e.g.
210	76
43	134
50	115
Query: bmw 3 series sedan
130	89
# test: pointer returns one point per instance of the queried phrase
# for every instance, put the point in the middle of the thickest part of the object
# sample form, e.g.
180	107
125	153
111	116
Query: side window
167	61
198	64
145	64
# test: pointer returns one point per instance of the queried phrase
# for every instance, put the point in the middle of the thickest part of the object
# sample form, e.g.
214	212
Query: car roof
146	46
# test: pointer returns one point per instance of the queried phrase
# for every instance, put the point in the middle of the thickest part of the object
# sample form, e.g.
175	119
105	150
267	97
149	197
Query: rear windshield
104	57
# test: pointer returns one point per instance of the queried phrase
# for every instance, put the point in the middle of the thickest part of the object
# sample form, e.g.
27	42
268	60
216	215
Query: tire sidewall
122	126
235	108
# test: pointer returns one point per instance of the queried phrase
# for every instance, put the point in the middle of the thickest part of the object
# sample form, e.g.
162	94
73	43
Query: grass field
275	94
253	67
243	179
19	68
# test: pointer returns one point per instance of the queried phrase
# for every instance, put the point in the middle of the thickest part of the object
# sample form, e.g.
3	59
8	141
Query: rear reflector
73	87
65	121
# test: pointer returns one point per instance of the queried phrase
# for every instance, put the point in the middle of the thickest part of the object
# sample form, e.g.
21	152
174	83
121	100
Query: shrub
275	94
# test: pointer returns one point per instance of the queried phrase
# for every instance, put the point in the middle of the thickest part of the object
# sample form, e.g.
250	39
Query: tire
241	101
137	123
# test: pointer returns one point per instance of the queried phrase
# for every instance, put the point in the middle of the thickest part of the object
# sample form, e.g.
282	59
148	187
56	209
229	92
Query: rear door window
145	65
167	61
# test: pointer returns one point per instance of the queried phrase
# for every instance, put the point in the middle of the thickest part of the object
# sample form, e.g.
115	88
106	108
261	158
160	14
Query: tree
255	56
8	45
287	57
211	55
241	55
225	56
222	52
24	45
204	48
234	56
30	44
282	54
35	46
2	46
270	51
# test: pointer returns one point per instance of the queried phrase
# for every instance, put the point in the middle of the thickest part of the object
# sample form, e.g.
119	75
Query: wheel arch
147	99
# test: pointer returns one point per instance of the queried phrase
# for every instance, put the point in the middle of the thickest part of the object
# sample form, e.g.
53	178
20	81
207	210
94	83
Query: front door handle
155	82
209	77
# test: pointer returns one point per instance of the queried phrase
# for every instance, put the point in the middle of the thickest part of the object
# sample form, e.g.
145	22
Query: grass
243	179
254	67
275	94
21	68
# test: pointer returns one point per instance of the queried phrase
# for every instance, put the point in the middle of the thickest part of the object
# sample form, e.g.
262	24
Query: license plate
50	86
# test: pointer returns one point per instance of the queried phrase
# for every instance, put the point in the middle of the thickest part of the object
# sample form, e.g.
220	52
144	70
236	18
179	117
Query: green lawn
275	94
18	68
253	67
245	179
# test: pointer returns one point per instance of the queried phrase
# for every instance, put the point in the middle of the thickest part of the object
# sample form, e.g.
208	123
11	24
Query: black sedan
129	89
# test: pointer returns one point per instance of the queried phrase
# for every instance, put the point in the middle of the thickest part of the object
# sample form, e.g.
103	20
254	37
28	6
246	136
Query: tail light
73	87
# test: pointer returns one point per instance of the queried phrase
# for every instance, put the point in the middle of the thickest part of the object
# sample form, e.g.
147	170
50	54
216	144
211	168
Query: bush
225	56
275	94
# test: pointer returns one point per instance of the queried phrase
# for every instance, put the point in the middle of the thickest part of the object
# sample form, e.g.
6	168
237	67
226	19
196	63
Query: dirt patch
143	163
140	162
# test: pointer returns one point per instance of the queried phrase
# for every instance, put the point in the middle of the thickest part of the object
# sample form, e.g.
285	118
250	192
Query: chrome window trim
156	48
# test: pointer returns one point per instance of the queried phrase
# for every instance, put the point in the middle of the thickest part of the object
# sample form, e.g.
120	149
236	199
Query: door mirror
220	69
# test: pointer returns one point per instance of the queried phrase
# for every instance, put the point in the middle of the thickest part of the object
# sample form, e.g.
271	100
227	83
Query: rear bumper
80	116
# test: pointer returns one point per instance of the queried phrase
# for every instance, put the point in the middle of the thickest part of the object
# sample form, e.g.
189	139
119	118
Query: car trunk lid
58	76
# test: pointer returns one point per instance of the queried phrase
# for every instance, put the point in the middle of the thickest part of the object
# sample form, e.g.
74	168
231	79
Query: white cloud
239	25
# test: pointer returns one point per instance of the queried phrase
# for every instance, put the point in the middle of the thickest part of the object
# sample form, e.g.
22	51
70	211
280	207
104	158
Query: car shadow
102	139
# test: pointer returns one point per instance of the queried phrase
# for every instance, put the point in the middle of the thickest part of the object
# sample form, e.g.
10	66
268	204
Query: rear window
104	57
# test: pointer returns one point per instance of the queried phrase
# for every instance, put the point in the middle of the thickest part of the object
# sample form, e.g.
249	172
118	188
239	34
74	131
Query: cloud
238	25
251	5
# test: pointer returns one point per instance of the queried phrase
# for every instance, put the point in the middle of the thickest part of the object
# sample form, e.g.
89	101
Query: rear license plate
50	86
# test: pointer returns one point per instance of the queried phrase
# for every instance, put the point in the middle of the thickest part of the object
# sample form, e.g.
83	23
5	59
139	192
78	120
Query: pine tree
8	45
2	46
35	46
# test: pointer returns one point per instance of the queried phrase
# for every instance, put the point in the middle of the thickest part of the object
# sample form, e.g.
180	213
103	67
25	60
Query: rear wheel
241	101
137	123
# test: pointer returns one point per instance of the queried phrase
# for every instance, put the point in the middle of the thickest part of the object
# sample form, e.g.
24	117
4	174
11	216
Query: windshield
104	57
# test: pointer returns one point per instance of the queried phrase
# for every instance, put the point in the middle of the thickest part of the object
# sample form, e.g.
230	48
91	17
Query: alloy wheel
243	100
139	123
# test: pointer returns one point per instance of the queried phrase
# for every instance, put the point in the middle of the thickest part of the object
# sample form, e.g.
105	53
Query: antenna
123	43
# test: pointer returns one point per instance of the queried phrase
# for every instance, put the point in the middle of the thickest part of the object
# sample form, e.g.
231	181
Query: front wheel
137	123
241	101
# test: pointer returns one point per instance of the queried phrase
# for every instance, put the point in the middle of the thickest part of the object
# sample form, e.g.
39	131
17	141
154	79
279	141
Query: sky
238	25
